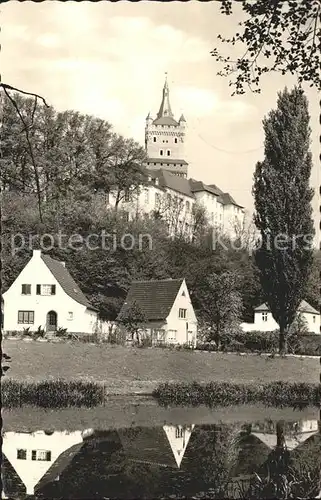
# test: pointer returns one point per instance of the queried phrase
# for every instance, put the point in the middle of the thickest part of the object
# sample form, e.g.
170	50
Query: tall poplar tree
283	209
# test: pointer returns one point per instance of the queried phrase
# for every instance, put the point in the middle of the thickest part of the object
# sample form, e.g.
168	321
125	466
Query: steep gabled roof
155	298
12	484
303	307
59	465
66	281
147	445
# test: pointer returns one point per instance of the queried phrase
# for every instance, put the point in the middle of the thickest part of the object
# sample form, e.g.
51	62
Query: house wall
178	437
213	207
31	471
271	324
36	272
233	218
165	140
179	330
313	322
143	201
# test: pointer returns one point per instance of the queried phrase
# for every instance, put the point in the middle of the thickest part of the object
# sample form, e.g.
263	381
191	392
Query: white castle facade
169	192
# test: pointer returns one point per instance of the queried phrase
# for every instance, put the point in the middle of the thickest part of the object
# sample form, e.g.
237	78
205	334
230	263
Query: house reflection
33	458
164	446
217	461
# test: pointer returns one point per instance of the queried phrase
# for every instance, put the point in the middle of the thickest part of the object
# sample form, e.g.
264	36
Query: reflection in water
255	460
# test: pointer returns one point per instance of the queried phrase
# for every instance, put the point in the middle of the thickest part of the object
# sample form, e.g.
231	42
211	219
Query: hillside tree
283	211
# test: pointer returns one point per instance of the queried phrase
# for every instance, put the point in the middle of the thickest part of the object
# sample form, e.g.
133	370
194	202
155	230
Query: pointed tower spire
165	107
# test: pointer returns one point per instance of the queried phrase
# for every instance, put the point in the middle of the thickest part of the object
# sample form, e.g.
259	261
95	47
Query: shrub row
268	342
278	394
51	394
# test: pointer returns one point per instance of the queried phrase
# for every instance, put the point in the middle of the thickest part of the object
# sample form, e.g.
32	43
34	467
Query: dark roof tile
166	120
155	298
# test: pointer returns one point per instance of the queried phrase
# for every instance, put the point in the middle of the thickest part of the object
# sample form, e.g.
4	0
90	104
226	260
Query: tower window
154	139
168	152
161	152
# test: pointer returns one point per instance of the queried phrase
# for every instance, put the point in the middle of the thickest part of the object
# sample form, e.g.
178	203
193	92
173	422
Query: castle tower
164	139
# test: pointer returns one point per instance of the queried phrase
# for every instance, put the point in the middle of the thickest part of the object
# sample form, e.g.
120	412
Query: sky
109	60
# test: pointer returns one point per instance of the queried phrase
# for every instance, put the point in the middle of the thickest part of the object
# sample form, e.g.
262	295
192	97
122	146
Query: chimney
36	253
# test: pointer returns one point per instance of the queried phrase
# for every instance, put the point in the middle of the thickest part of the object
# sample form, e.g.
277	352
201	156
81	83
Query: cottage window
161	152
171	335
175	140
168	152
126	216
26	317
41	455
127	196
26	289
154	139
22	454
179	432
70	315
146	196
264	316
182	313
46	290
187	206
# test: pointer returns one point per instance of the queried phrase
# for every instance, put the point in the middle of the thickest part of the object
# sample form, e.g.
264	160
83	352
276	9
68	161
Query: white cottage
167	309
264	321
38	458
45	294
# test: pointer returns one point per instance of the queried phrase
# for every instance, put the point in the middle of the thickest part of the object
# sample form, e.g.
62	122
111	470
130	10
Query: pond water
132	448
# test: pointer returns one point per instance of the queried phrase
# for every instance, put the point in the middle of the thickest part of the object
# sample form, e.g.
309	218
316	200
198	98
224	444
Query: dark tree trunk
283	341
280	438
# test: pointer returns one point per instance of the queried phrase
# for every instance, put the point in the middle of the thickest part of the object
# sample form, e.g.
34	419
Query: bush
265	342
226	393
117	336
51	394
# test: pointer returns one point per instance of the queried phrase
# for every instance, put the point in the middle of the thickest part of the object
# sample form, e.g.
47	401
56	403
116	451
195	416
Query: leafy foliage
133	319
283	209
221	303
279	35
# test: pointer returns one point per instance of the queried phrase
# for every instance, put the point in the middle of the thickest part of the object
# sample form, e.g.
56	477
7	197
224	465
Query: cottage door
51	321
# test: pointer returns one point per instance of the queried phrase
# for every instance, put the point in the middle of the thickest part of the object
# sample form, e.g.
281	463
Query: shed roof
155	297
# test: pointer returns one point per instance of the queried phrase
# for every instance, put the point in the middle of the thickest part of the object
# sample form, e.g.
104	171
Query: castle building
168	191
165	138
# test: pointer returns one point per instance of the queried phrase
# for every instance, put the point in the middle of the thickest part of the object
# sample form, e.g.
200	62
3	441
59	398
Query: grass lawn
129	370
